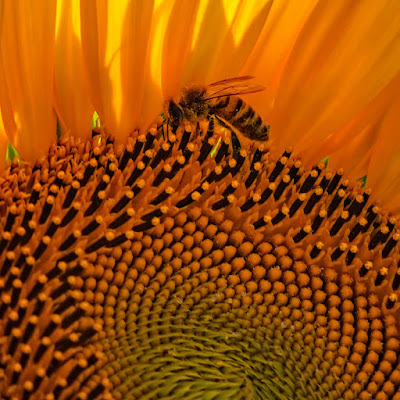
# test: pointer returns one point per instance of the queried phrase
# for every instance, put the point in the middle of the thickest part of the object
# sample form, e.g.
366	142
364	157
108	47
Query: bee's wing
232	86
231	81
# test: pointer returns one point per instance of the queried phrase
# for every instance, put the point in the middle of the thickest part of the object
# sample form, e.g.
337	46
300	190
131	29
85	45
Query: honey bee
220	100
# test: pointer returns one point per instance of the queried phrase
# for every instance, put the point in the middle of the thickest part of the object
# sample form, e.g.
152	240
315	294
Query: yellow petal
27	49
248	21
73	104
338	65
209	40
116	39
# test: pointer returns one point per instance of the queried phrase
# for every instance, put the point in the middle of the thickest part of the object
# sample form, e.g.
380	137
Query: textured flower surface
158	271
189	261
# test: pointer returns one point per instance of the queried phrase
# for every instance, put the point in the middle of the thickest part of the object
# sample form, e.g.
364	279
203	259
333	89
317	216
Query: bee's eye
175	113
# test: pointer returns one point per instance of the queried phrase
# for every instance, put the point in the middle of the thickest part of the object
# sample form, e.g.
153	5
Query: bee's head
175	113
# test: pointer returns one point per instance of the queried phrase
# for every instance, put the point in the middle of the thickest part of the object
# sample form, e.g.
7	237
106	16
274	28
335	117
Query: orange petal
178	44
354	158
27	47
116	41
73	104
3	145
209	40
274	44
347	148
384	167
7	119
345	55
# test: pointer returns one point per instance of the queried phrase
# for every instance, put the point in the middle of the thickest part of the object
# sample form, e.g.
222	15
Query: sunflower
140	259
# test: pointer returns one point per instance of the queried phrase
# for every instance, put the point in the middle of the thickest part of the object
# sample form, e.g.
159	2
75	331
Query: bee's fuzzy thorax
194	105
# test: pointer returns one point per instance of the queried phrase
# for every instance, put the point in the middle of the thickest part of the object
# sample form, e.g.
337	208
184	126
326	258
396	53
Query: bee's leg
236	147
211	123
163	126
235	143
166	136
171	129
184	139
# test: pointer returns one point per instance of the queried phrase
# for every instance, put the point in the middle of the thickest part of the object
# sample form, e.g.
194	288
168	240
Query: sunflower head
200	258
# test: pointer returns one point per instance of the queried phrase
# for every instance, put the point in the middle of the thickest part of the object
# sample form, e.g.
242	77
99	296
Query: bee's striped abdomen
239	114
